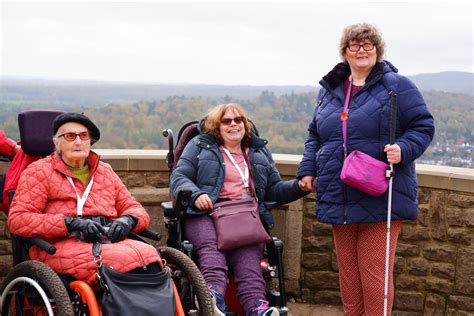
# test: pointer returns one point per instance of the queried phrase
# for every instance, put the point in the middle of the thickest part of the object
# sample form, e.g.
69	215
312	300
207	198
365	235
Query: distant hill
18	93
74	93
449	81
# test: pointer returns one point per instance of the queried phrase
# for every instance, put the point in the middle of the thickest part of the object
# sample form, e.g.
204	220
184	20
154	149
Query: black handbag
128	294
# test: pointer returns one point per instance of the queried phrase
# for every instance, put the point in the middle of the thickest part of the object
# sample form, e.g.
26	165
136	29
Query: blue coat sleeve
183	176
416	122
278	190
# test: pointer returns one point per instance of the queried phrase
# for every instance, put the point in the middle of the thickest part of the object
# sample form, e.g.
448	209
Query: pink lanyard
344	116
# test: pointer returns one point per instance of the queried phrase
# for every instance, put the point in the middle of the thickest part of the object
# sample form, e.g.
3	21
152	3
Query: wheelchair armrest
5	158
269	204
177	208
167	206
183	200
43	244
150	234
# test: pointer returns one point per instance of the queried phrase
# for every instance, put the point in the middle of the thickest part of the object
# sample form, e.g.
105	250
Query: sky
223	42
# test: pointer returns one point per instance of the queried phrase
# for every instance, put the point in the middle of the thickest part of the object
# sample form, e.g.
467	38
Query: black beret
78	118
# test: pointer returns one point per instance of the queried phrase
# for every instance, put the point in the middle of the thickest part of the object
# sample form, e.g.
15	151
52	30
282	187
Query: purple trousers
245	261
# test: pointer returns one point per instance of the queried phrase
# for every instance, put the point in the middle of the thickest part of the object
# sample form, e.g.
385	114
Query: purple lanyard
344	116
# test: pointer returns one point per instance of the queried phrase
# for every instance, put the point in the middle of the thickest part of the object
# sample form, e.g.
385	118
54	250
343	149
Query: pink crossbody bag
361	171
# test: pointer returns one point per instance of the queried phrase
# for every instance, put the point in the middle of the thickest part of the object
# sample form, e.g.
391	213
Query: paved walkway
300	309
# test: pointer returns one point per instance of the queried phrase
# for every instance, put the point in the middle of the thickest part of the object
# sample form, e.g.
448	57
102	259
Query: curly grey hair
358	33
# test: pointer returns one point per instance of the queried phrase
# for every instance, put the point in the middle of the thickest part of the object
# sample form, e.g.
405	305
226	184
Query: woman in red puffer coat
58	196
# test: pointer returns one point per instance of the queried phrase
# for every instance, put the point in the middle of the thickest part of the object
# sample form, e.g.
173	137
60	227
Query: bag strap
251	182
96	252
393	116
344	117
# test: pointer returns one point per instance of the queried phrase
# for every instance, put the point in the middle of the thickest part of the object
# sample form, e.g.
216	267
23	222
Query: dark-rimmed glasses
70	137
228	121
354	47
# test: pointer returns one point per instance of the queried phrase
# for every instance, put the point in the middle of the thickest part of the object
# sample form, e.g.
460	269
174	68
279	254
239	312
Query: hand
121	227
394	153
89	230
203	202
15	150
307	183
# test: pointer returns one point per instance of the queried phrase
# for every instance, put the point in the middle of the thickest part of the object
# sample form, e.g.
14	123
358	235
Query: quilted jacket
44	197
368	129
201	170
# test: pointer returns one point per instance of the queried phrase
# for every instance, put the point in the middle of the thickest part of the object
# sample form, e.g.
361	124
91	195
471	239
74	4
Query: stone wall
434	268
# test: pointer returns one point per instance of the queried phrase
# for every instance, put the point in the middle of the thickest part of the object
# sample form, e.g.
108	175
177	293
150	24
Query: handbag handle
96	252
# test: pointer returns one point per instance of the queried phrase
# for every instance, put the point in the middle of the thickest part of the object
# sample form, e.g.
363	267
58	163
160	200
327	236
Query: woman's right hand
203	202
90	231
307	183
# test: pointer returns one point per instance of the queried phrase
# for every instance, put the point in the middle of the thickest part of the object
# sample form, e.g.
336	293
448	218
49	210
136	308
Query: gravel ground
300	309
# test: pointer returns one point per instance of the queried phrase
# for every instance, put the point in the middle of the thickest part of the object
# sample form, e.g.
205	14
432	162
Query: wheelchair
174	211
33	288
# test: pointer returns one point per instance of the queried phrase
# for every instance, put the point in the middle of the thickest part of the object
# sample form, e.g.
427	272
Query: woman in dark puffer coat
359	220
225	162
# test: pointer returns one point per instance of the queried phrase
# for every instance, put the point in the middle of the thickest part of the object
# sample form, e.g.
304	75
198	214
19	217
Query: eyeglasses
228	121
70	137
356	47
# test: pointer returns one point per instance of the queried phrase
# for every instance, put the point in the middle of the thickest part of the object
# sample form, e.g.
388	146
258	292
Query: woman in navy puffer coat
359	220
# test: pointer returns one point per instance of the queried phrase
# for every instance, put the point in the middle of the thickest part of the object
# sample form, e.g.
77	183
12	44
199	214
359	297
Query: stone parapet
434	266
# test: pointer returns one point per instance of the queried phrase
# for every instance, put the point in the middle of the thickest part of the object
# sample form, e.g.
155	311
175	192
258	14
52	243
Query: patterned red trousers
360	250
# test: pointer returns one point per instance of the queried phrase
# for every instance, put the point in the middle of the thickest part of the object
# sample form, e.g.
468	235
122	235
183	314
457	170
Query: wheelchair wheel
192	287
32	288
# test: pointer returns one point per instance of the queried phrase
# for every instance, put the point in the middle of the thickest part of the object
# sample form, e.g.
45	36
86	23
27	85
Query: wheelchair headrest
186	133
36	132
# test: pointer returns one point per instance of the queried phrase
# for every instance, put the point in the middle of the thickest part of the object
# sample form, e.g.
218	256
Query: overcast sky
221	42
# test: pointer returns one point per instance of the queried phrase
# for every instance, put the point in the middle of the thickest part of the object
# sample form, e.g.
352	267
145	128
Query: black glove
120	227
88	230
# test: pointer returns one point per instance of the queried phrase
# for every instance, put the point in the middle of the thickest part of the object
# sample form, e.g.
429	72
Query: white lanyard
245	177
81	200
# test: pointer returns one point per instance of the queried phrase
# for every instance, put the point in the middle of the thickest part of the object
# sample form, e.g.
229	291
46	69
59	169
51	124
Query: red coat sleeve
27	217
6	144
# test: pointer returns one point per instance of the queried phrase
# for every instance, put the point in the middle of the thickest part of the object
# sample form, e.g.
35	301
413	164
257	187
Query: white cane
389	176
387	246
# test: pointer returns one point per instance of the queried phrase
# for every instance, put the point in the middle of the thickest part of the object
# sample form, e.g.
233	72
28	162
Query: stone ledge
150	195
429	176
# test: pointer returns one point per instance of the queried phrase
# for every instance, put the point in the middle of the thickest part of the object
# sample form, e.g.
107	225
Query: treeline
282	119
